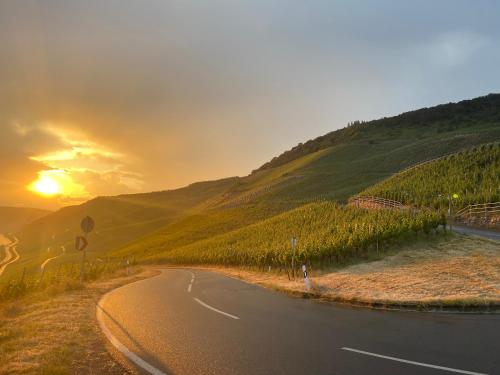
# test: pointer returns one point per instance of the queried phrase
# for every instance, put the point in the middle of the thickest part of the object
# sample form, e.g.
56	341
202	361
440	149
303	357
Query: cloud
157	94
81	167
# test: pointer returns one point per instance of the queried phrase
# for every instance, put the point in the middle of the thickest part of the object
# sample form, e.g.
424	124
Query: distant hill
118	219
13	219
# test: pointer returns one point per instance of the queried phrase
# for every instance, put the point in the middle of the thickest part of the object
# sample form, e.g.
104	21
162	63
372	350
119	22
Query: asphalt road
210	324
491	234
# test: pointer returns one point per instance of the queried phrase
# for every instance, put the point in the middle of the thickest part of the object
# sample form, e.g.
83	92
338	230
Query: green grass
474	175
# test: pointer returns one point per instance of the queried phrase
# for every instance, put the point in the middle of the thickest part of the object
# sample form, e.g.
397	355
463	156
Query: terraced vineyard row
324	231
468	177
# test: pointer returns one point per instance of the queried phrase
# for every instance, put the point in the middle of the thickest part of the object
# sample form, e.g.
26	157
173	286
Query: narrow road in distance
11	254
491	234
198	322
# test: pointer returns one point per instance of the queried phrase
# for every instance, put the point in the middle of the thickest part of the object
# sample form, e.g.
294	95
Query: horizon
100	100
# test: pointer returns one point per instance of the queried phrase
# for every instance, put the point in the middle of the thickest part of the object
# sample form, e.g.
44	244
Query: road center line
191	282
413	362
214	309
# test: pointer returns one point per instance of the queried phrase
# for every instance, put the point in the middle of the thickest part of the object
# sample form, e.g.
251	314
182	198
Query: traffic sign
87	224
80	243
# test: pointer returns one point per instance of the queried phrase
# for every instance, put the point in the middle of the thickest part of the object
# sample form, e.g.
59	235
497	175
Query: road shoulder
461	274
61	331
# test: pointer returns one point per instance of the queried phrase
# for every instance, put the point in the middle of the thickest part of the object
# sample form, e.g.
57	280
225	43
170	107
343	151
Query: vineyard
66	277
468	177
325	232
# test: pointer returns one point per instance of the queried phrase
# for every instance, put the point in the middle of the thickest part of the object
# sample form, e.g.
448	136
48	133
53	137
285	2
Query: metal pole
449	210
82	267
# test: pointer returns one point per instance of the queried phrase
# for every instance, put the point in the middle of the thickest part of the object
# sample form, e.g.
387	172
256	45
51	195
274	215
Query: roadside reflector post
81	243
307	282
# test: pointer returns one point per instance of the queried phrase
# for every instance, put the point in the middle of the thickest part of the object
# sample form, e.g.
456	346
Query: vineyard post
294	245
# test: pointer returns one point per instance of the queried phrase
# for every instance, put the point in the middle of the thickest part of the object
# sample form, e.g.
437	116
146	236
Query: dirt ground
464	270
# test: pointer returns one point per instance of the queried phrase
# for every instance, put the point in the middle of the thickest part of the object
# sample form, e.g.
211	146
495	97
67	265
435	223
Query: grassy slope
473	174
13	219
369	154
118	220
361	155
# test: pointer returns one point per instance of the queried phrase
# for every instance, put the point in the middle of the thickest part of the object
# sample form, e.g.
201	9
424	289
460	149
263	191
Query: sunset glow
45	185
57	183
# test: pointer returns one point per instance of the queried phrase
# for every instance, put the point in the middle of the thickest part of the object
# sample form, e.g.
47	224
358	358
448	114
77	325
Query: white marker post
307	282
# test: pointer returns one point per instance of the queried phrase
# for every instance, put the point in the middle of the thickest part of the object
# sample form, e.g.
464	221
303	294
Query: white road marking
214	309
118	345
191	282
413	362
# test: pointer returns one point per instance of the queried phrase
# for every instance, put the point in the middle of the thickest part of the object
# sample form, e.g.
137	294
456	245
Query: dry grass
463	270
41	334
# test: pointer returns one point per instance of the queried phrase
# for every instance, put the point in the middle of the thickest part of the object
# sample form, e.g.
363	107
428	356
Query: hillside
119	220
362	155
473	175
440	119
13	219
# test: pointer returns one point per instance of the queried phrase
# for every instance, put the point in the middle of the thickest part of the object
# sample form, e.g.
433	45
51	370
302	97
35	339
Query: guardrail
378	201
479	210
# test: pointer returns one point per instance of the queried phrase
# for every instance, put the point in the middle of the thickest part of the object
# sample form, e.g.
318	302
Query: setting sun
58	183
46	185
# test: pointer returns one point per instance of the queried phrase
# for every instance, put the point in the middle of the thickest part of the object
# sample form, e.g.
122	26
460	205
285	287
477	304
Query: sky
101	97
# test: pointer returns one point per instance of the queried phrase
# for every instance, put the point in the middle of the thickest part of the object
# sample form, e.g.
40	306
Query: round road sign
87	224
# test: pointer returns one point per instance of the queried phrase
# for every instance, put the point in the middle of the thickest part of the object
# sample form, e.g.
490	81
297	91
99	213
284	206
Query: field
325	231
473	175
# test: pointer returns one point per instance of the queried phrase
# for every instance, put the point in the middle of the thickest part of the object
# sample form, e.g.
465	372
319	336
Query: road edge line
137	360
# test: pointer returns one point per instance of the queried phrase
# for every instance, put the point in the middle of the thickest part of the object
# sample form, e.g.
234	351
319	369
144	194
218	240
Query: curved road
11	255
199	322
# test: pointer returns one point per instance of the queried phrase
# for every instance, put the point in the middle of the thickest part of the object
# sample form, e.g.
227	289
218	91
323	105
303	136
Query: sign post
81	243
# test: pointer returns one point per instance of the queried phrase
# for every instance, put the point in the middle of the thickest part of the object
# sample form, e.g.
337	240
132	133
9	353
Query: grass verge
457	274
43	333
